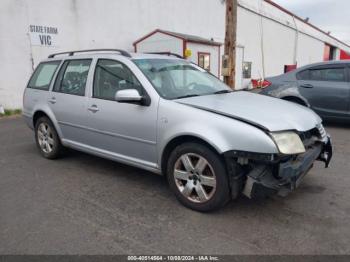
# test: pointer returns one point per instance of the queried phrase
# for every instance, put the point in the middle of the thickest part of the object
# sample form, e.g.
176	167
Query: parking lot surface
82	204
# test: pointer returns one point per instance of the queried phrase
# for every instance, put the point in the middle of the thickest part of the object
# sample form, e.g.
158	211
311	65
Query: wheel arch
176	141
41	113
37	115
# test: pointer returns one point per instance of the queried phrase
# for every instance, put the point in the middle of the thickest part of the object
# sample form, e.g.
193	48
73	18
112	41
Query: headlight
288	143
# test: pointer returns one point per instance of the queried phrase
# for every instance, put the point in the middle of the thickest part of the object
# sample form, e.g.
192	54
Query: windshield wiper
186	96
222	91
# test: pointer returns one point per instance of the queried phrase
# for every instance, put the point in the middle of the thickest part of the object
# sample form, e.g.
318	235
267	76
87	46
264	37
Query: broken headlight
288	142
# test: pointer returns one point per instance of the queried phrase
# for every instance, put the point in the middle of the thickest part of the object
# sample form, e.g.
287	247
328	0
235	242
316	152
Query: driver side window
112	76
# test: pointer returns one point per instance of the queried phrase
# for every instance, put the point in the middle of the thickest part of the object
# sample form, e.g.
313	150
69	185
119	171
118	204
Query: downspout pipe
296	41
262	41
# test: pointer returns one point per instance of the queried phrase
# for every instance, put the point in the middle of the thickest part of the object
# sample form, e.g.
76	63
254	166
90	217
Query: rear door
326	88
68	101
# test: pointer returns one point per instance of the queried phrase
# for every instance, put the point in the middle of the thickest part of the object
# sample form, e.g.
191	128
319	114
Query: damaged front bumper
282	175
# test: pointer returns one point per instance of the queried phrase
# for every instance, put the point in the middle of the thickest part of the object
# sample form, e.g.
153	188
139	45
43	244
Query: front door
127	131
327	90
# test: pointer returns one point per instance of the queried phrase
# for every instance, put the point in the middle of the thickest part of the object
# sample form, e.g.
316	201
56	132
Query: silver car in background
324	87
166	115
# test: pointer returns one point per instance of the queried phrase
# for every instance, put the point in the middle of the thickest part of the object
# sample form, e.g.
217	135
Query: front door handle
307	86
93	109
52	100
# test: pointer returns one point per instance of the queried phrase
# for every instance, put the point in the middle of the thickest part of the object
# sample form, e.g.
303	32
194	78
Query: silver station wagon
166	115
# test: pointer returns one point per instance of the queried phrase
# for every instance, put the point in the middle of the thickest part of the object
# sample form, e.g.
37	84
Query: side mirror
128	96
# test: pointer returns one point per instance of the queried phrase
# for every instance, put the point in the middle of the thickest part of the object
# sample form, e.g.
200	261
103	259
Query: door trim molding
108	133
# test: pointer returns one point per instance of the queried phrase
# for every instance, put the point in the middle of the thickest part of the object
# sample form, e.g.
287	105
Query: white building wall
278	47
160	42
214	55
309	50
269	11
84	24
272	38
18	57
249	37
15	55
122	22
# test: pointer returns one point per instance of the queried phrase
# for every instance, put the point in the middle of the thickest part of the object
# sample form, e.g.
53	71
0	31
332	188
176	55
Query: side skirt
149	166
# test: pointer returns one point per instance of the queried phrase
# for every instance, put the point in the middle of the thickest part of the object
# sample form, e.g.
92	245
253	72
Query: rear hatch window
43	75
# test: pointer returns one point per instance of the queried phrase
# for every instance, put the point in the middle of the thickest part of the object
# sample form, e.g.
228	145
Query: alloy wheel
194	177
45	138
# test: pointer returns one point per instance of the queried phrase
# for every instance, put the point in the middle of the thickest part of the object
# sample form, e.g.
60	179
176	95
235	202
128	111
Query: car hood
268	113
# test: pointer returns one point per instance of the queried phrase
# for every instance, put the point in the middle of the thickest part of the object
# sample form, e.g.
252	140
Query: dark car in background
324	87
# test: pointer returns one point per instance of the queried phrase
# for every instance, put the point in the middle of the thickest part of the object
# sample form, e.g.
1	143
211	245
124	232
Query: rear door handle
52	100
93	109
307	86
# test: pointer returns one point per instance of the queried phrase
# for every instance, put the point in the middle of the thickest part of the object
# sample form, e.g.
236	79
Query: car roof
331	62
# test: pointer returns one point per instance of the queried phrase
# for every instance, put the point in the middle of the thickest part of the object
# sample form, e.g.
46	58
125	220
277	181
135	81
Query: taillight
259	83
265	84
254	83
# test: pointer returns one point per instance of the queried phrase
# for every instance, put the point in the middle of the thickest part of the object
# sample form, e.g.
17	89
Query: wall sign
43	35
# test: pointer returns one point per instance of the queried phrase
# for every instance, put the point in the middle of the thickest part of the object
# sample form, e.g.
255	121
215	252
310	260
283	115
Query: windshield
175	79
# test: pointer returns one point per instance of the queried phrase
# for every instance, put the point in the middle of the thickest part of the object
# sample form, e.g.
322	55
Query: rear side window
72	77
323	74
43	75
328	74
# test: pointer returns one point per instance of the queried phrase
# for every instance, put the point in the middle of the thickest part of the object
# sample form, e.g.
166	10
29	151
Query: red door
327	52
344	55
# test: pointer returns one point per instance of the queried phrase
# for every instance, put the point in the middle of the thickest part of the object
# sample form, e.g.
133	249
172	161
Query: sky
328	15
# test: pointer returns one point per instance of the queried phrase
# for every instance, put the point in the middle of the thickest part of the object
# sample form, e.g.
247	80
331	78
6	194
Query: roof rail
71	53
166	53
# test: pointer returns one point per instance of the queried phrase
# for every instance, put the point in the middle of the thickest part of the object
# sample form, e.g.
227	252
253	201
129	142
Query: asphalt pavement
82	204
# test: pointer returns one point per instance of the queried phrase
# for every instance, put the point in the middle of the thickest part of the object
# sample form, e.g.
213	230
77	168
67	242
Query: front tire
197	176
47	139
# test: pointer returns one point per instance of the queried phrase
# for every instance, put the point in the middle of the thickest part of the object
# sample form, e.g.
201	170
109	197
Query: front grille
310	134
313	135
322	131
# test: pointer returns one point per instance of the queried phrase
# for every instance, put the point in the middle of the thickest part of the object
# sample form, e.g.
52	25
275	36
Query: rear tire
197	176
47	139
